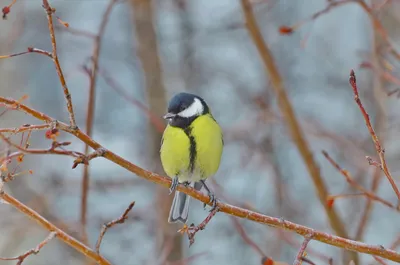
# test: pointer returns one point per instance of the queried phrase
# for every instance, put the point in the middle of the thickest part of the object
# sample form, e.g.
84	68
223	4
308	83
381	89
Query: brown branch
30	50
90	114
327	238
84	159
24	128
192	229
69	240
246	237
51	150
380	151
354	184
49	13
302	249
77	32
108	225
35	250
291	120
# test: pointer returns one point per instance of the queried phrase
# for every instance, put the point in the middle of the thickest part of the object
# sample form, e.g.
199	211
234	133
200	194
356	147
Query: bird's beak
169	116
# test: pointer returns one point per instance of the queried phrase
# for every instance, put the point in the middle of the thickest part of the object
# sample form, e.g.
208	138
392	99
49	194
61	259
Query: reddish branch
357	186
29	50
108	225
192	229
380	151
223	207
35	250
24	128
90	112
54	56
302	249
69	240
51	150
246	237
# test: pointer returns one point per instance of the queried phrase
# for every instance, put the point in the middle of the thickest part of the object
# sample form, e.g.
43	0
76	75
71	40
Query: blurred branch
285	30
246	237
35	250
90	112
108	225
52	228
49	12
357	186
223	207
51	150
24	128
154	119
380	151
291	120
29	50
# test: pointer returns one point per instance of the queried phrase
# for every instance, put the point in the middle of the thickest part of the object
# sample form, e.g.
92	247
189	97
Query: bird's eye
182	107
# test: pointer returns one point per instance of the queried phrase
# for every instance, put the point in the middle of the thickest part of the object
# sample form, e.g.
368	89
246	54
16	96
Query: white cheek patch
195	109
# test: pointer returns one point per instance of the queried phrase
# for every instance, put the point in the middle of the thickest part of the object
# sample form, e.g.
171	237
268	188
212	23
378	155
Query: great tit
191	149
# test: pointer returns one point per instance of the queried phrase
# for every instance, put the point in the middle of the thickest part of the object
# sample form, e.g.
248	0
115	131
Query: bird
191	150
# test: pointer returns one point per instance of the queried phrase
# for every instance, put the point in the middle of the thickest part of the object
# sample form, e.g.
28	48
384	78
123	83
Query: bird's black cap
182	101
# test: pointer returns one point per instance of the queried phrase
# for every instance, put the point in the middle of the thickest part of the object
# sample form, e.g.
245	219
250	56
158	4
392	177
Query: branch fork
85	159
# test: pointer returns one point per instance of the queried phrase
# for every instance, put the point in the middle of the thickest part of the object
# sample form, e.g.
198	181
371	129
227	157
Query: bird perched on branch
191	149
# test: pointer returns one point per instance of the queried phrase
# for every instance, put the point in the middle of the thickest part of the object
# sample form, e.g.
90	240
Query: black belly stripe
192	149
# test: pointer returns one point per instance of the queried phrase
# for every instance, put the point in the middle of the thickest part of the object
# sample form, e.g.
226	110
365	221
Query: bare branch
49	12
69	240
51	150
24	128
357	186
108	225
302	249
380	151
34	251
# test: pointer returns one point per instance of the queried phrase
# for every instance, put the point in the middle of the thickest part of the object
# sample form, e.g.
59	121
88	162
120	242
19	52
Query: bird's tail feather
180	205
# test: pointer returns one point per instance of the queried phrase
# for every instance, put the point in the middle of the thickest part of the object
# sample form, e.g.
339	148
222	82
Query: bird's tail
180	205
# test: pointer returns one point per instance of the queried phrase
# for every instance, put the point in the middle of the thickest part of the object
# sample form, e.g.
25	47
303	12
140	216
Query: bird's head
184	108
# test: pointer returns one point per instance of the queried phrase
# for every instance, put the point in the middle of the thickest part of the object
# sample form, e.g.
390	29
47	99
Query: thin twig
84	159
90	114
291	120
35	250
327	238
357	186
302	249
49	13
246	238
108	225
30	50
69	240
307	260
24	128
51	150
380	151
192	229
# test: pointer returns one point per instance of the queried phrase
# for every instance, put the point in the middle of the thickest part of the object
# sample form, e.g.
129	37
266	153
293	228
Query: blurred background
153	49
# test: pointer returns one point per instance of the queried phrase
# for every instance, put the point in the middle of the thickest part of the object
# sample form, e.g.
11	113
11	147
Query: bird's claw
213	200
173	186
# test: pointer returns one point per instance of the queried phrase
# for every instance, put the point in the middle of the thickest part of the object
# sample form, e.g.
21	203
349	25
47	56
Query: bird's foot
213	201
173	186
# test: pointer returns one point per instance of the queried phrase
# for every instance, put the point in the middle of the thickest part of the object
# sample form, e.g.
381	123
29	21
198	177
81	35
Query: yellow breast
202	139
